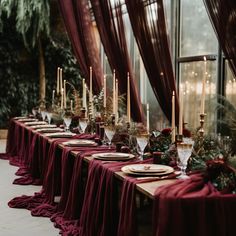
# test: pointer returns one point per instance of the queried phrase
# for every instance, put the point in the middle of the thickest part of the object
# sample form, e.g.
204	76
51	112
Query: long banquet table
83	196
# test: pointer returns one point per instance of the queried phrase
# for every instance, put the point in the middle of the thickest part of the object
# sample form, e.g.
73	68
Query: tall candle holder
179	138
202	120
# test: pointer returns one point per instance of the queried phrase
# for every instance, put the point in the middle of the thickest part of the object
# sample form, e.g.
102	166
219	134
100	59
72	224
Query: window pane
197	36
230	90
191	75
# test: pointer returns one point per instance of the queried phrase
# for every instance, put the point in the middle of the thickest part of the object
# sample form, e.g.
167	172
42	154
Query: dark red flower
166	131
187	133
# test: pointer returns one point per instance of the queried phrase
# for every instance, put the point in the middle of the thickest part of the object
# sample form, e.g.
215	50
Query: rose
166	131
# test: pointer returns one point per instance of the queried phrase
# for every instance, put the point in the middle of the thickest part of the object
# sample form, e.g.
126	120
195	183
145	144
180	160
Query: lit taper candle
64	93
173	118
114	92
58	81
104	92
90	84
202	109
128	98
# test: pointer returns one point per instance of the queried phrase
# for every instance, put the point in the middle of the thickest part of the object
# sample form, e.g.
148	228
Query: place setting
50	130
113	156
32	123
60	135
80	143
147	169
43	126
27	120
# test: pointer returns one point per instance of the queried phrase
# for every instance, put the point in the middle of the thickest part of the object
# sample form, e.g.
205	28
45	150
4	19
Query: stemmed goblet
67	120
49	117
109	131
142	141
184	150
83	124
43	114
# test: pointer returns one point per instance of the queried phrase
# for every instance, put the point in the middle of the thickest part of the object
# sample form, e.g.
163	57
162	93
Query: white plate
147	169
43	126
113	156
36	123
60	135
27	119
79	143
50	130
20	117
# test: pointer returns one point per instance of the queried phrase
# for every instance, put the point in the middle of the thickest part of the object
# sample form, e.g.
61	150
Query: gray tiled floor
18	221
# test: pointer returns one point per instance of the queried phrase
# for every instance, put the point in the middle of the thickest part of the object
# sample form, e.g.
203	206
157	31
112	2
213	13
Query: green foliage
227	123
17	82
32	18
19	71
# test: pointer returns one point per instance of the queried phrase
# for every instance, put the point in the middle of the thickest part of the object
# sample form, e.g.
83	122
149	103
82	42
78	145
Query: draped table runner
90	205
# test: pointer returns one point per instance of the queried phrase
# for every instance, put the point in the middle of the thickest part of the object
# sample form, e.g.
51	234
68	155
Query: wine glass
142	141
184	150
83	124
67	120
109	133
43	114
34	111
49	117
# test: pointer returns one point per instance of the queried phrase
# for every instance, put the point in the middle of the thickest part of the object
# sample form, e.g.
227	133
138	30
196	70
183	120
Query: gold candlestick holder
202	120
179	138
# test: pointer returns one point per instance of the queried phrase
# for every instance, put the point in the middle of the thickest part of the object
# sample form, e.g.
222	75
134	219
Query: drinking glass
49	117
34	111
43	114
83	124
184	150
109	133
67	121
142	141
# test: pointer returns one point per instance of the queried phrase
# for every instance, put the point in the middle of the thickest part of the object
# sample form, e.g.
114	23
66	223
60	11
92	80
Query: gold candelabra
202	120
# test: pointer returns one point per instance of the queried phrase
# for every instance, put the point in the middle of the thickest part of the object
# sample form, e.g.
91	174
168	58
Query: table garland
208	156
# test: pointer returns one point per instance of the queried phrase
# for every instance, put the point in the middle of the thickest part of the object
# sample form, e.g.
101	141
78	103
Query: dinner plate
20	117
43	126
80	143
60	135
27	119
36	123
113	156
50	130
147	169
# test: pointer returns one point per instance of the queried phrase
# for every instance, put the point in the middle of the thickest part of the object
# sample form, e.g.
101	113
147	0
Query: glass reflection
191	75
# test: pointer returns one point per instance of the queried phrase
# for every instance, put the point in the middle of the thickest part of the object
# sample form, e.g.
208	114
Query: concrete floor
18	221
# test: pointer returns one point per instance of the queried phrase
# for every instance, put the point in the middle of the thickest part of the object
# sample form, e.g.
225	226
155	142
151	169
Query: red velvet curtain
112	33
79	27
222	14
148	22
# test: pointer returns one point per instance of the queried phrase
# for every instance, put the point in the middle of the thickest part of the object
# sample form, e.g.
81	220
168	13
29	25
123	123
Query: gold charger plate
43	126
27	120
80	143
113	156
60	135
49	130
36	123
147	169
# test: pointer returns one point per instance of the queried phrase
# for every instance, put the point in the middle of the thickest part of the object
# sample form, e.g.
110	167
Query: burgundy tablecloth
193	207
14	148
